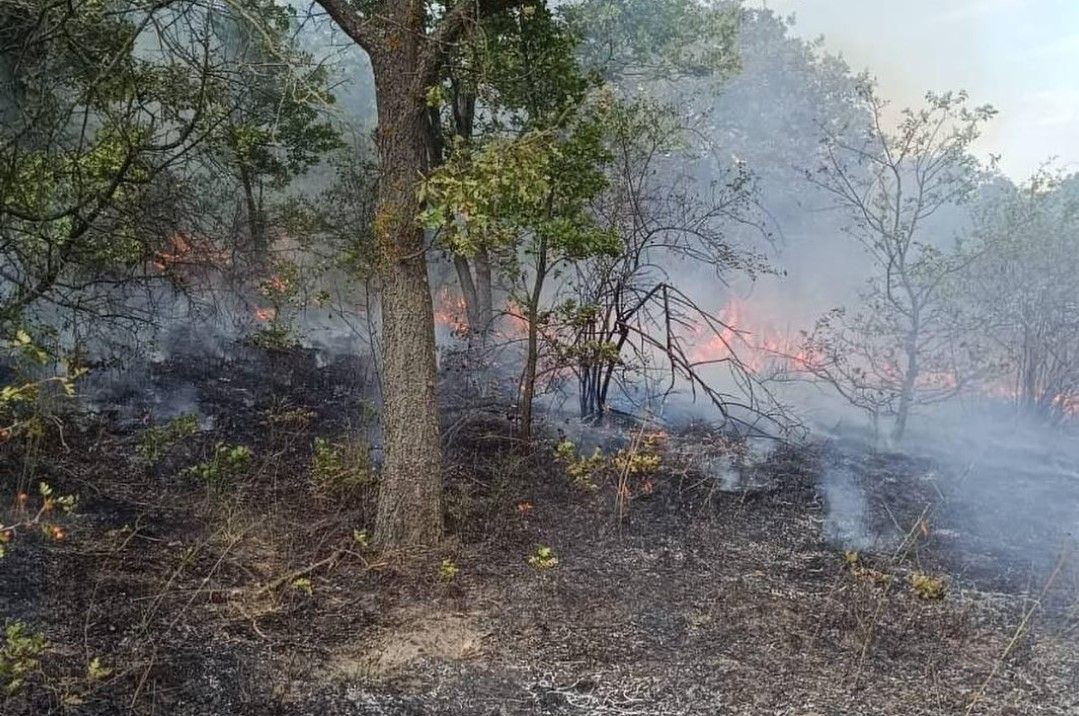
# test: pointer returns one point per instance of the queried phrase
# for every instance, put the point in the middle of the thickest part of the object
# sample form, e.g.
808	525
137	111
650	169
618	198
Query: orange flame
265	314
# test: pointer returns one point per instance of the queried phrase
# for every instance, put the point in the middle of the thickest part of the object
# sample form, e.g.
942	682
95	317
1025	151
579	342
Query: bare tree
901	349
629	318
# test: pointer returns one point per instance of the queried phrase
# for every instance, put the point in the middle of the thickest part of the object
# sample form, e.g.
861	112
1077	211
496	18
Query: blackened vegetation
718	585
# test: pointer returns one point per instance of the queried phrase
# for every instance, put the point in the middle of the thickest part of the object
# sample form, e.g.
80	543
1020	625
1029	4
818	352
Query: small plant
20	656
340	470
447	570
96	671
303	584
927	587
156	441
853	561
50	504
275	336
636	462
226	464
285	415
361	538
544	558
281	290
582	470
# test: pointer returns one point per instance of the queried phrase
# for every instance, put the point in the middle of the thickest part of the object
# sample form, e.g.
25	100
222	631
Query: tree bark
406	57
410	494
468	290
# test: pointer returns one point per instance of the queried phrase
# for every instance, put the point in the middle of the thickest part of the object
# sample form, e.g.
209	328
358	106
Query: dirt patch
415	635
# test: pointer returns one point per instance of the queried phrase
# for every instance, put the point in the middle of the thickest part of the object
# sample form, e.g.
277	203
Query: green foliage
341	470
38	516
96	671
582	470
642	460
110	151
525	174
657	39
447	570
158	440
1021	284
226	464
636	462
544	558
273	106
32	394
275	336
534	188
20	656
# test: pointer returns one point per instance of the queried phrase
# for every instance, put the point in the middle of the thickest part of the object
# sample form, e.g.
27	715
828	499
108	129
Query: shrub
582	470
20	656
544	558
226	464
156	441
341	470
927	587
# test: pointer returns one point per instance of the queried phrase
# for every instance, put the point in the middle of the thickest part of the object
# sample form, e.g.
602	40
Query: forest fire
757	345
450	311
264	315
545	357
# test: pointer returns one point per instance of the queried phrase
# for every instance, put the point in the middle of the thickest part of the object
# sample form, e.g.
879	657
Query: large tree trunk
410	495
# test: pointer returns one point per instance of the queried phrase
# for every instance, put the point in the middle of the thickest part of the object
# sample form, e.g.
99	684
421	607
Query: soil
682	591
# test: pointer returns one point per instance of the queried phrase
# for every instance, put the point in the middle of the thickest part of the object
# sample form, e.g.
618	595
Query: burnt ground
701	591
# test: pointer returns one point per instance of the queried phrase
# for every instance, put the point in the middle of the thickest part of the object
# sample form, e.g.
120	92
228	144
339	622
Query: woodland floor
699	600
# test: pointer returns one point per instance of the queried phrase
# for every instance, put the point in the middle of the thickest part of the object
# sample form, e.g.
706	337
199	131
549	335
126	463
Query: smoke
846	505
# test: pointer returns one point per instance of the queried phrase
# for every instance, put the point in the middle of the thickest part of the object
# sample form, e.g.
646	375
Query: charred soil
684	591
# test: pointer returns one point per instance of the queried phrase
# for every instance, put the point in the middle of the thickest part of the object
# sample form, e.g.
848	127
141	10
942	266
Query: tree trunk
906	394
484	296
253	209
528	381
468	291
410	494
528	378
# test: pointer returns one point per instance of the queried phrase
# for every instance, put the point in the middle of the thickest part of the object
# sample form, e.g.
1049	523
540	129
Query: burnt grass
682	596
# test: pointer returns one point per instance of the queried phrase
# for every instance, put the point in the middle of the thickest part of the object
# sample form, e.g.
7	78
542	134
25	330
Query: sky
1021	56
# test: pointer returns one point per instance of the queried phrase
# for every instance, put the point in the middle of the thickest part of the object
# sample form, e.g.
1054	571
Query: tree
1022	289
657	40
903	348
408	42
513	73
95	142
628	310
526	199
271	101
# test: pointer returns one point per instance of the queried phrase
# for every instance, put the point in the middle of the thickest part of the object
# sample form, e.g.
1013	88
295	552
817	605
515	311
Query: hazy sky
1021	56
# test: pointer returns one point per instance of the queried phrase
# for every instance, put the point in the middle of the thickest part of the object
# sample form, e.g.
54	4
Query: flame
182	249
262	315
450	311
760	347
756	343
